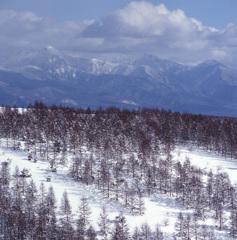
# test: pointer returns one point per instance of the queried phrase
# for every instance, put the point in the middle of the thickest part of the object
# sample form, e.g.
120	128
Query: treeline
118	130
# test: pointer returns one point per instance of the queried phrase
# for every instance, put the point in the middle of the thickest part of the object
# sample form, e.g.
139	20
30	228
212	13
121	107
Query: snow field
161	209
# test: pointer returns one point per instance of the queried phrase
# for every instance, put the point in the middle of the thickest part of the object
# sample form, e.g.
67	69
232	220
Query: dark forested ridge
130	156
113	129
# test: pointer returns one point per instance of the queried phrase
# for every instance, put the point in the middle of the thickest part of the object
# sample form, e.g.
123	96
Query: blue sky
185	31
216	13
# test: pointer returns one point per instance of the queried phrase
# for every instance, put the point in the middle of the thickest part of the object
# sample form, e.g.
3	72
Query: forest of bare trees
130	156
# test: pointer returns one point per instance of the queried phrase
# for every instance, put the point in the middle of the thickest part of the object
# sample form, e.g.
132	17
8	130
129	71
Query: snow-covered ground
160	209
208	161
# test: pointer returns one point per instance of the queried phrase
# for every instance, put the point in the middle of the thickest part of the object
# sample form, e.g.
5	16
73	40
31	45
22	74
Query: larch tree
103	223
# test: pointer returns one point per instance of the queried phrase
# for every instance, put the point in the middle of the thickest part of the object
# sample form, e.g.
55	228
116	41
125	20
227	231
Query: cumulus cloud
26	29
142	27
139	27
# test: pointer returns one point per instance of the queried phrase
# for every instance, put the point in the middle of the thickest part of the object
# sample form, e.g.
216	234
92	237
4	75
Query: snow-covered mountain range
50	76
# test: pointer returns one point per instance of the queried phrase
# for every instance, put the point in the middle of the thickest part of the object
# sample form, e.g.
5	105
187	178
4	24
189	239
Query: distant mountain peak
149	81
52	50
211	63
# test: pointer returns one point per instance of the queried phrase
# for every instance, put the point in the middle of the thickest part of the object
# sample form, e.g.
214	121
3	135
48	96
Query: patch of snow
4	69
129	69
129	102
102	67
69	101
60	71
208	161
3	84
34	67
54	51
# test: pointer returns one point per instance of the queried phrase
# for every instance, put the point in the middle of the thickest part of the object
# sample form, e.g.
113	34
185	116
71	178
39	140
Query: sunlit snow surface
208	161
161	209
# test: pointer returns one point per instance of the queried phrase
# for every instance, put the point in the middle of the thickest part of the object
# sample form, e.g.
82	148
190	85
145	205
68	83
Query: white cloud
139	27
26	29
142	27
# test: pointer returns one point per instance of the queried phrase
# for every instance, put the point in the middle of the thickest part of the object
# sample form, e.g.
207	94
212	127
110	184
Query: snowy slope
160	209
208	161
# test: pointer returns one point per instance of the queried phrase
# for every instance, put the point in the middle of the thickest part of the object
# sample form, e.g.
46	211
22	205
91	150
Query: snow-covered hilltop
111	174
